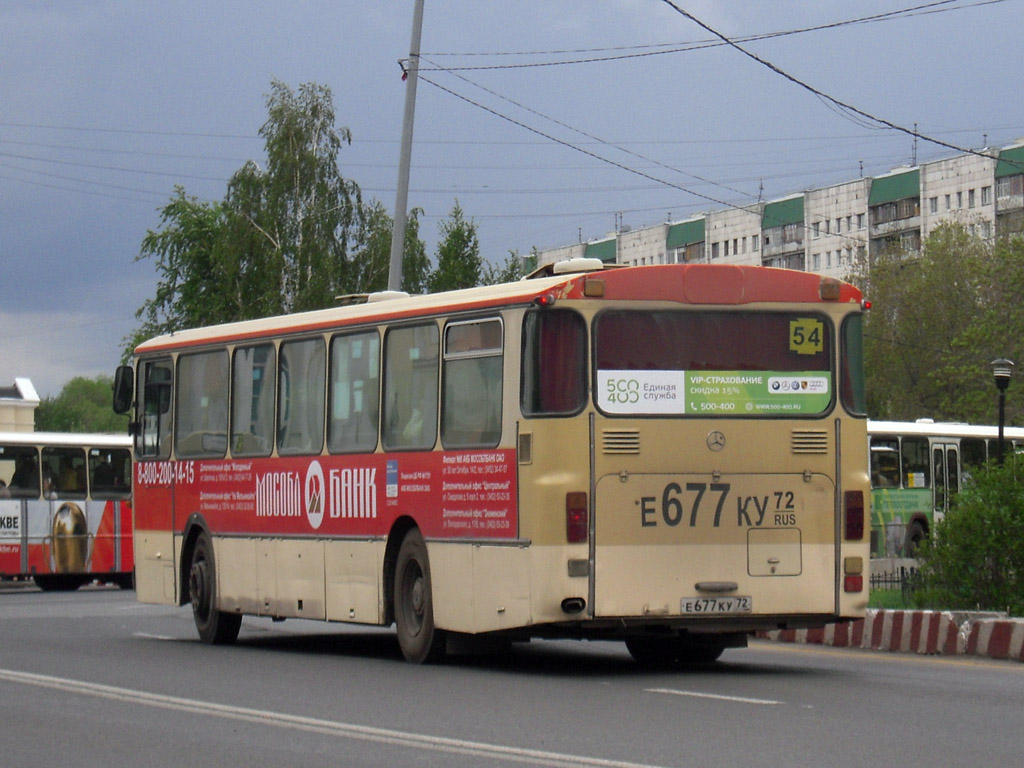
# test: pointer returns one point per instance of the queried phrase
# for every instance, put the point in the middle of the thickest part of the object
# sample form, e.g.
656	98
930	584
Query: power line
669	48
851	111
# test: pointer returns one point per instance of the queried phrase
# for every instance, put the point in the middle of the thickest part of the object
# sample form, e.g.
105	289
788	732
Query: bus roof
942	429
98	440
683	283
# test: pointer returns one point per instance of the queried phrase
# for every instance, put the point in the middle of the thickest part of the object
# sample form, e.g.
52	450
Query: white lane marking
150	636
718	697
314	725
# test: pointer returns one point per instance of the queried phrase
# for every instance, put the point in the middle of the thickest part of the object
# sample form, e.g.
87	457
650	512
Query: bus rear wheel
673	651
418	638
215	627
59	582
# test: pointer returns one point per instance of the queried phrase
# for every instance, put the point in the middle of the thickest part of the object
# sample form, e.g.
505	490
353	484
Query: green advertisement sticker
713	392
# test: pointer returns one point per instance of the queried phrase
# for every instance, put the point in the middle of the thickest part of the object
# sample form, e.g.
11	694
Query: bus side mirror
124	386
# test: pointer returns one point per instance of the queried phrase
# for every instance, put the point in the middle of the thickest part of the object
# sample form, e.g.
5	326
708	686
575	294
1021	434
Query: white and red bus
65	509
667	455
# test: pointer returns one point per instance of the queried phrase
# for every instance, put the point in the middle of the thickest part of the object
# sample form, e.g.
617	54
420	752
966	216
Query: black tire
58	582
215	627
672	652
916	535
125	580
420	641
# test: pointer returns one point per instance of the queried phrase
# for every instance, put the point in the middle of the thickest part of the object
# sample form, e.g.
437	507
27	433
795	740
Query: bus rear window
713	363
554	376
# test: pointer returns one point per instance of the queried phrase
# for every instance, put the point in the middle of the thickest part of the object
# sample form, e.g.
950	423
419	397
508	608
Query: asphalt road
92	678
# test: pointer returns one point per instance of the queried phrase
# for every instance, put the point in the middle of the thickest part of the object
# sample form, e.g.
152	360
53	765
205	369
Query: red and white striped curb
944	633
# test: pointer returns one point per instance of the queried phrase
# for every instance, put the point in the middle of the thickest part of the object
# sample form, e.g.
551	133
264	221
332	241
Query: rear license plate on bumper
734	604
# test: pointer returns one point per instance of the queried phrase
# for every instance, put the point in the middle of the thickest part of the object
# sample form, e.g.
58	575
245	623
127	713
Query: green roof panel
1011	162
783	212
898	186
686	233
603	250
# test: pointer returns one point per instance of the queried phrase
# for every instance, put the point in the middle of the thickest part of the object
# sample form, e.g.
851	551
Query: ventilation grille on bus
620	441
808	441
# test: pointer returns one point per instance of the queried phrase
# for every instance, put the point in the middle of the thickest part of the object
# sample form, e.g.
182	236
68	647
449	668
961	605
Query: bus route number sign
806	336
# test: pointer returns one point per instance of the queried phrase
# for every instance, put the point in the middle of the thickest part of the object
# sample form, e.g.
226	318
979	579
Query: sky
549	121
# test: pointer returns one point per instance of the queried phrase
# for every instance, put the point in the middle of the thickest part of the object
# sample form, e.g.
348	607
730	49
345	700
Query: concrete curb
940	633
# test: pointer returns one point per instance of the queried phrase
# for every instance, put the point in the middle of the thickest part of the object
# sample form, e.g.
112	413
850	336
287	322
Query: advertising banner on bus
713	392
453	494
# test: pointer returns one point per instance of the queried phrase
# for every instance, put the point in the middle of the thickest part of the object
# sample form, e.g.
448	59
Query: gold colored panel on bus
70	539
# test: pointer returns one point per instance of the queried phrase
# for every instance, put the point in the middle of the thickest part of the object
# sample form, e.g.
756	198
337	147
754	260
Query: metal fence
903	578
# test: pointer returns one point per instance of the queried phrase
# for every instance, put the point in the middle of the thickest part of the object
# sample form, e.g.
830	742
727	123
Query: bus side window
19	469
64	470
471	400
554	373
153	440
353	391
916	462
885	462
300	408
410	388
972	456
254	378
201	424
110	473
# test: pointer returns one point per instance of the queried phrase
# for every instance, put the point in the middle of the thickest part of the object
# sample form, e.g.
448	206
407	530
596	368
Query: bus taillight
577	523
854	514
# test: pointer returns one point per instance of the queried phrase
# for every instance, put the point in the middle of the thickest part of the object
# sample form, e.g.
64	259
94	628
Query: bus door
946	471
153	489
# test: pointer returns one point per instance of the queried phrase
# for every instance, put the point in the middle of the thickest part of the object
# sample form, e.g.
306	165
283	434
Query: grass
890	599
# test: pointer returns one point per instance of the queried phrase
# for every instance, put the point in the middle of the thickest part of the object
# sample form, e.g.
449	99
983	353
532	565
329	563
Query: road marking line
719	697
314	725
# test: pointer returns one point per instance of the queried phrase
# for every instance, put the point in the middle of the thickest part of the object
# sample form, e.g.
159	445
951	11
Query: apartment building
833	229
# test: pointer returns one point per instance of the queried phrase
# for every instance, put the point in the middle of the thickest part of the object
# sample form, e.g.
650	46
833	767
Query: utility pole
402	194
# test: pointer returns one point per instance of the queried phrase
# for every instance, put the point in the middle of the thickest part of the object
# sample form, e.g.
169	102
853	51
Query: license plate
734	604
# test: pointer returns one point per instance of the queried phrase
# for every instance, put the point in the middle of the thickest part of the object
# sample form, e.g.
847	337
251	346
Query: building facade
833	229
18	407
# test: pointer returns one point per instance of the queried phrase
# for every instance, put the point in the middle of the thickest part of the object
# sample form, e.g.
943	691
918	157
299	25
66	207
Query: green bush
975	559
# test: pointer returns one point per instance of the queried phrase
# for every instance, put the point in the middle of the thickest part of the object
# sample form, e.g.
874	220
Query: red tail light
854	514
577	519
853	583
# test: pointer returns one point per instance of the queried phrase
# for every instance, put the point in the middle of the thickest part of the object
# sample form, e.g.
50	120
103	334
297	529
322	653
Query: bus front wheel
215	627
418	638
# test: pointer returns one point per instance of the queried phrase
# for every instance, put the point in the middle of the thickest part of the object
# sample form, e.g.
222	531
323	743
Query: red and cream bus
65	509
667	455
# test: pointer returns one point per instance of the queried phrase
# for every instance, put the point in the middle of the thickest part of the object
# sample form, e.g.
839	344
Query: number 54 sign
806	336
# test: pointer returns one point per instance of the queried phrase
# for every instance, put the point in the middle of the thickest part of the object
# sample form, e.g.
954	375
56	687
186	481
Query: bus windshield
707	363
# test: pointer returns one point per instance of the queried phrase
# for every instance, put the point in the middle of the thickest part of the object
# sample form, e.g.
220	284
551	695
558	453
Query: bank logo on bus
350	492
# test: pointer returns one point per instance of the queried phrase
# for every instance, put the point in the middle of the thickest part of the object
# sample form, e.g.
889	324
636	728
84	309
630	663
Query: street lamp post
1002	370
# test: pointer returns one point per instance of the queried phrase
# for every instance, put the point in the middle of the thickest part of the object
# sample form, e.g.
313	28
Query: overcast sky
574	114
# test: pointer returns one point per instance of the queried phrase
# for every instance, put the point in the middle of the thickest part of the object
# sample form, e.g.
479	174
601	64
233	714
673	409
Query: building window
970	198
986	195
860	221
947	203
714	250
754	242
959	199
817	230
816	260
933	205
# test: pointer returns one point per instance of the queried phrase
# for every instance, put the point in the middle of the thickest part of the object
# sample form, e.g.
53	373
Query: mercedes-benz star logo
716	441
